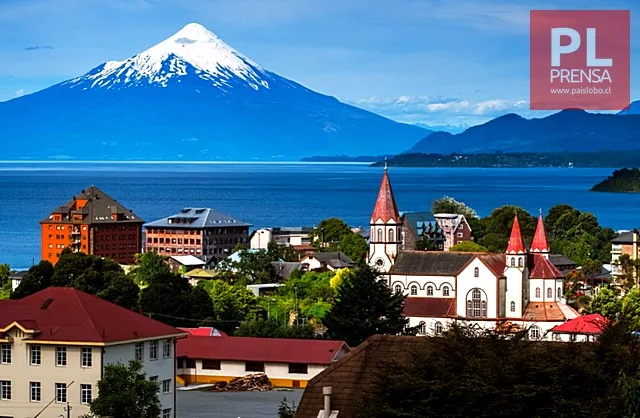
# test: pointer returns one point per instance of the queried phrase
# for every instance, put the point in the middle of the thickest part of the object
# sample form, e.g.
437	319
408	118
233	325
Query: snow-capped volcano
191	97
193	50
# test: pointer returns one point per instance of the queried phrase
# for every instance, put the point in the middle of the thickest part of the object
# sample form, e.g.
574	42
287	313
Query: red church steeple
539	244
385	209
516	243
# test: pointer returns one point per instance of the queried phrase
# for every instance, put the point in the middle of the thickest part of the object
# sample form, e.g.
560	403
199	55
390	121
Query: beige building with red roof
519	289
55	344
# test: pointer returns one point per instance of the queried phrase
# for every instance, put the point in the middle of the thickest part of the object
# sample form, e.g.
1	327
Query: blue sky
429	61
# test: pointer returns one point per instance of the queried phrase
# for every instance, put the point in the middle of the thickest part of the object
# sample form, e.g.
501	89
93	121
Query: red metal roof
543	311
544	269
429	307
516	243
268	350
495	262
587	324
69	315
204	332
539	244
385	208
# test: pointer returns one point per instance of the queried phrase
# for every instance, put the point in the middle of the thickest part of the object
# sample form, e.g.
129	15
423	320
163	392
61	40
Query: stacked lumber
258	382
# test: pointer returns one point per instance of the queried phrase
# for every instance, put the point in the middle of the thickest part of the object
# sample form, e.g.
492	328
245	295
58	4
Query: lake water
287	194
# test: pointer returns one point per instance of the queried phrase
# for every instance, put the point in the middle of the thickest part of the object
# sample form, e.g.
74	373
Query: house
16	278
289	236
330	260
202	232
92	222
287	362
625	243
443	230
55	344
264	289
520	288
184	263
284	269
352	375
196	275
562	263
455	228
582	329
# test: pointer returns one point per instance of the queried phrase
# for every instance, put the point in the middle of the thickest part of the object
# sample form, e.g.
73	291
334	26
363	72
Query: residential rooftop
197	218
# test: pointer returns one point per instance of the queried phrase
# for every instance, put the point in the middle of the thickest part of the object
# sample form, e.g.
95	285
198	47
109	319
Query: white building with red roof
582	329
286	362
55	344
519	289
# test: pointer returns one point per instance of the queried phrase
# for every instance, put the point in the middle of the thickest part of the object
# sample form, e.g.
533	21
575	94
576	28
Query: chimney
326	391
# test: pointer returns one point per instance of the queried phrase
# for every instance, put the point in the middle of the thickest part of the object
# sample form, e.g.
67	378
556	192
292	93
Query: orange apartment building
202	232
93	223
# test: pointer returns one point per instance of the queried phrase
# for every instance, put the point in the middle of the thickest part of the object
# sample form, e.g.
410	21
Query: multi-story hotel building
201	232
92	223
55	344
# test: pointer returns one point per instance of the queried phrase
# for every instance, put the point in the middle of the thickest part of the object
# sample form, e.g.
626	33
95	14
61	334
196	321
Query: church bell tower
385	237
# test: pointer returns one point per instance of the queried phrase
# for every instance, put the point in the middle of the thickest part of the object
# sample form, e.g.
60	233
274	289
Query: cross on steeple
385	163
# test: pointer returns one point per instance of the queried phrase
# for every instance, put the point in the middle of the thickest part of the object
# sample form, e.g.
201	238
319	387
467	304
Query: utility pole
68	409
295	289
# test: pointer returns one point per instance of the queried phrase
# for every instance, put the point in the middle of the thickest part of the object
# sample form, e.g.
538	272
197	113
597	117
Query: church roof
543	311
540	244
516	243
385	209
544	269
495	262
431	263
429	307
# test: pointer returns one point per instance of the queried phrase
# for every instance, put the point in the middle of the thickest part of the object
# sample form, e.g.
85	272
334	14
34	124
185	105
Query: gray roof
334	259
100	208
196	218
288	230
625	238
431	263
284	269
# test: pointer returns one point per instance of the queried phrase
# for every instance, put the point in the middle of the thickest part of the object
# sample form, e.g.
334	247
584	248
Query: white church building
520	289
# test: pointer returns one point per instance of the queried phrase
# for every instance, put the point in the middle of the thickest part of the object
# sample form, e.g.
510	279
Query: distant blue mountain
454	129
632	109
190	97
568	130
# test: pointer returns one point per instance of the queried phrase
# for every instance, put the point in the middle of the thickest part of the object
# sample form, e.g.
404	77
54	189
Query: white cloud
20	92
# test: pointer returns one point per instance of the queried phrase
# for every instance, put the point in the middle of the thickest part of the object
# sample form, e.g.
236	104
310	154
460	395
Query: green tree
469	247
125	392
5	281
149	265
278	252
232	304
631	308
36	279
329	233
606	303
267	328
364	306
168	297
255	266
448	204
497	227
354	246
286	410
121	290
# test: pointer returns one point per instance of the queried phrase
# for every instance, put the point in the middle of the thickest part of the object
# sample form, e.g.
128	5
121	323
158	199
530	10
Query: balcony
616	248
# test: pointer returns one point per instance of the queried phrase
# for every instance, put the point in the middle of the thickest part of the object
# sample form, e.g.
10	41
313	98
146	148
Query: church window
445	291
535	332
476	304
476	272
422	328
438	327
380	235
549	293
513	306
414	290
469	308
391	235
429	290
398	288
520	262
559	292
513	262
537	292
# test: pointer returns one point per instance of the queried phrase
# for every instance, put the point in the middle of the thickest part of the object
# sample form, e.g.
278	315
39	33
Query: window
254	366
438	327
429	290
166	413
211	364
559	292
85	394
166	348
166	386
422	328
445	291
61	356
380	235
391	235
5	390
36	355
513	306
6	354
513	262
537	292
476	304
61	392
398	288
476	272
191	363
549	293
535	333
414	290
153	350
35	390
140	351
460	235
298	368
87	357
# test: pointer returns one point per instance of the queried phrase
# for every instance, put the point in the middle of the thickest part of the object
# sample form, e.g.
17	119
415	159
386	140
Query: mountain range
190	97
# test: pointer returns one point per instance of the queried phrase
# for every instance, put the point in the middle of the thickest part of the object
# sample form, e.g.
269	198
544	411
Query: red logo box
580	59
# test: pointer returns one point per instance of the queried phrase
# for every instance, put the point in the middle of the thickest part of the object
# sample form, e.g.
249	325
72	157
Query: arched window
429	290
380	235
513	262
559	292
445	291
476	304
398	288
535	332
520	261
513	306
549	293
438	327
476	272
537	292
422	328
391	235
414	290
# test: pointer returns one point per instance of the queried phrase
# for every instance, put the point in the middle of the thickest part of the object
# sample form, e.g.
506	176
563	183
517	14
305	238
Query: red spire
539	244
516	244
386	208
